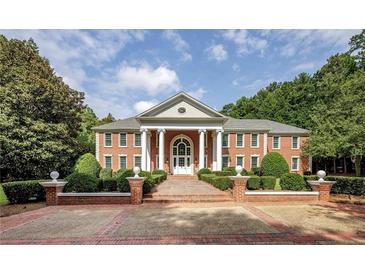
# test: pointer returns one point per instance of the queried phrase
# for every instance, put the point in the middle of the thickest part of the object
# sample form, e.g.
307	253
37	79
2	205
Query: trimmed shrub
87	164
221	182
203	171
23	191
110	184
80	182
250	173
268	182
105	173
121	177
221	173
307	172
160	172
254	182
158	178
291	181
232	171
257	171
207	177
148	182
274	164
3	198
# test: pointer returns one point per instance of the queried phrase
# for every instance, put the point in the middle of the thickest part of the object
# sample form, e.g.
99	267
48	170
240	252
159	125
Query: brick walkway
212	223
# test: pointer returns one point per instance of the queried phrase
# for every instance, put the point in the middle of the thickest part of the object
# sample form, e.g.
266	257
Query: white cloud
303	67
197	94
142	106
217	52
246	43
180	44
148	79
236	67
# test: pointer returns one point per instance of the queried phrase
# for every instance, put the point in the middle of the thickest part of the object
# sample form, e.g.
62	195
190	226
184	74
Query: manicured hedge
80	182
268	182
274	164
257	171
87	164
254	182
221	173
158	178
207	177
344	185
160	172
221	182
3	198
110	184
291	181
105	173
232	171
23	191
203	171
121	177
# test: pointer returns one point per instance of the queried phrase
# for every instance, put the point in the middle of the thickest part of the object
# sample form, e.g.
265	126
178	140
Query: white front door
181	156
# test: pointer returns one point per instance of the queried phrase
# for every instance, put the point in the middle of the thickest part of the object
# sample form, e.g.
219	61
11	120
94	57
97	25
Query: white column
161	148
97	153
144	148
201	147
219	149
214	135
265	144
148	154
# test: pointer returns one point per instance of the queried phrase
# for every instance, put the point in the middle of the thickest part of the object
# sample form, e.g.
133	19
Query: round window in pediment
181	110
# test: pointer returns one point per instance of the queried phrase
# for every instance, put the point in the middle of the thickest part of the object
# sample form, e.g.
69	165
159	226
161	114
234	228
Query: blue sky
126	71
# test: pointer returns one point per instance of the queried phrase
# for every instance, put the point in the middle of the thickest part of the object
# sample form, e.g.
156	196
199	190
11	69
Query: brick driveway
199	223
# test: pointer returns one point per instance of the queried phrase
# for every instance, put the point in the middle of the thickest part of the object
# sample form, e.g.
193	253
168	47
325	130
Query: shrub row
23	191
227	171
344	185
220	182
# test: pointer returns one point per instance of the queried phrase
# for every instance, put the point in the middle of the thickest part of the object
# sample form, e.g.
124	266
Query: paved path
203	223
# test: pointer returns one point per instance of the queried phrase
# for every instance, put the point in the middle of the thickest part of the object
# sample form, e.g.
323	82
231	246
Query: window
295	142
239	140
225	161
254	161
123	139
107	139
276	142
254	140
295	163
138	161
240	161
108	161
137	139
225	141
122	161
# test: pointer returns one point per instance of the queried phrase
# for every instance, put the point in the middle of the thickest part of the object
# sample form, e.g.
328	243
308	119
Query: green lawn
3	199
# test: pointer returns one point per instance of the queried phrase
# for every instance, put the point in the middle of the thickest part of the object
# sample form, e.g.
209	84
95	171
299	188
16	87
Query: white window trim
229	159
258	140
126	160
126	139
243	160
111	160
258	160
278	143
111	139
243	139
298	142
228	143
134	159
291	163
134	139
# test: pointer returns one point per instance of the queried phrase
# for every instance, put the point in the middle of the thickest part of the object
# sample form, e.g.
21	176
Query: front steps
182	177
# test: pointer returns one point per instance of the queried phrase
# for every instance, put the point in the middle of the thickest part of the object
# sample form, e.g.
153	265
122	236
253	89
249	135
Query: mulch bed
7	210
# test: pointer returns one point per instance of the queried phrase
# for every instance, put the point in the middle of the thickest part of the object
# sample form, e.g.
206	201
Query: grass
3	198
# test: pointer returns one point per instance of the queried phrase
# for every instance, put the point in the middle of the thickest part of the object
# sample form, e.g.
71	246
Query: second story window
239	140
123	139
255	140
276	142
137	139
225	140
108	139
295	142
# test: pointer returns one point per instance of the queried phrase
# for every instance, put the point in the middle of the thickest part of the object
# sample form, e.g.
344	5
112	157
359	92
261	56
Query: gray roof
261	124
231	124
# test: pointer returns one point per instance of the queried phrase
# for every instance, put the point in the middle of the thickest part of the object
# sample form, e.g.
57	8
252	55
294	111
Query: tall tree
39	114
86	136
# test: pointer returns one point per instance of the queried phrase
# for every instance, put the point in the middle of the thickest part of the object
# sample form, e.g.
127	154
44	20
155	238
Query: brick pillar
136	185
239	187
52	189
323	188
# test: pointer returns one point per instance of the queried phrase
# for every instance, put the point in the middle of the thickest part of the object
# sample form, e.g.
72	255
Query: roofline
173	97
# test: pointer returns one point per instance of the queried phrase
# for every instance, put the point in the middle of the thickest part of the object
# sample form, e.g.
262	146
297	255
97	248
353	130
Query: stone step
182	177
188	196
186	200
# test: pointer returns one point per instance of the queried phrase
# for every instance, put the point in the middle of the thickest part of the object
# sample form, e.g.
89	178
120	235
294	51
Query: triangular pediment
181	105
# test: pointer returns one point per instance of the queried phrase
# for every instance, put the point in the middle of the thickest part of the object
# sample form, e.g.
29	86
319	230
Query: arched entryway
181	155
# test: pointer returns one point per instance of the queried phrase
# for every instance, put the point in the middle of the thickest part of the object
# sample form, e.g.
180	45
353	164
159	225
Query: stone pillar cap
237	177
136	178
53	184
317	182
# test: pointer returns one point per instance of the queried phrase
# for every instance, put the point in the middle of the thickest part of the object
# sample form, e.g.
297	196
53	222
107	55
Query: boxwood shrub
221	182
207	177
80	182
254	182
232	170
110	184
274	164
291	181
203	171
87	164
105	173
268	182
257	171
23	191
160	172
222	173
121	177
158	178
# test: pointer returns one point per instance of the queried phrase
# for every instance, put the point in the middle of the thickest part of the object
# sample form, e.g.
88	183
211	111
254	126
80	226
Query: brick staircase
186	189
